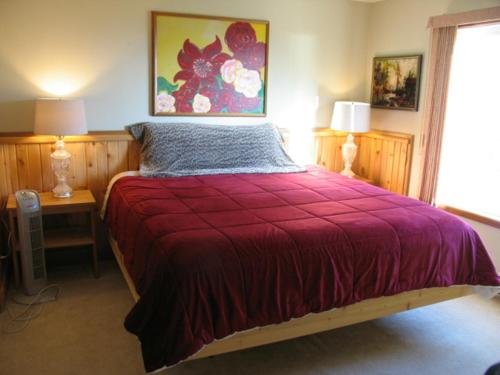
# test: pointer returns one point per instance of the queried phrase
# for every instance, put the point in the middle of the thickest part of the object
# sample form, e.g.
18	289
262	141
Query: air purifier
29	221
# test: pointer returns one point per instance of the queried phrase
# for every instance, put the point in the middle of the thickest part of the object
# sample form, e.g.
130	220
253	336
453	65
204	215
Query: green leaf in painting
252	111
220	83
261	92
164	85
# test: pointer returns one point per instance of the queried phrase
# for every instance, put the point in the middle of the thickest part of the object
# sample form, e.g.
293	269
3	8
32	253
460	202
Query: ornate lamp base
62	190
61	160
349	151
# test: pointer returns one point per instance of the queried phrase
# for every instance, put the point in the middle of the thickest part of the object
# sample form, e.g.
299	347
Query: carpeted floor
82	333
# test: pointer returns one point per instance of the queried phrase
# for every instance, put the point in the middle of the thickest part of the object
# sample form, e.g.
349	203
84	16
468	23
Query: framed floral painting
205	65
396	81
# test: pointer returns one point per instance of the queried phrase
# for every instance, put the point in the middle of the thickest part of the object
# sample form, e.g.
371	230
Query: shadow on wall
18	115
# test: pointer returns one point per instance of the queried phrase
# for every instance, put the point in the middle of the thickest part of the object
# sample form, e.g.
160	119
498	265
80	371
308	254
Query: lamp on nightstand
60	117
352	117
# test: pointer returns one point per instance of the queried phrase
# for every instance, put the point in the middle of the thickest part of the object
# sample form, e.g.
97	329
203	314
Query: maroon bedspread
212	255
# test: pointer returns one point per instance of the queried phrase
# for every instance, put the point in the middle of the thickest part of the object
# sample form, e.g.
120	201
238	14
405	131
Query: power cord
29	312
26	316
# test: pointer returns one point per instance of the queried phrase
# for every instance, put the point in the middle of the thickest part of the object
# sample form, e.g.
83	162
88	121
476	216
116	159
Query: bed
224	261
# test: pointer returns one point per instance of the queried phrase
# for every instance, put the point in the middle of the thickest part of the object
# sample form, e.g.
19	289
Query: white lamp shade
60	117
352	117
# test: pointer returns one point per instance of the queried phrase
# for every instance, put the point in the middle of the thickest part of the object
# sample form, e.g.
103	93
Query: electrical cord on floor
21	320
29	313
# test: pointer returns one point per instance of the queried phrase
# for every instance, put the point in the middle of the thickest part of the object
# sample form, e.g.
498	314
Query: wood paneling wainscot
383	157
25	159
96	158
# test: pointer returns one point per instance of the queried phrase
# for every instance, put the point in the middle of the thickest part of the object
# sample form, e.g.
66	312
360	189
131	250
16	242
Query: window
469	175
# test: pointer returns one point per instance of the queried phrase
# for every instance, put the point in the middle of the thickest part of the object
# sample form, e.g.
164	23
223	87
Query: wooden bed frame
313	323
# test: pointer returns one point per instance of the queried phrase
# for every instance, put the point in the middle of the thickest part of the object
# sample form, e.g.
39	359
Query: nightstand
82	202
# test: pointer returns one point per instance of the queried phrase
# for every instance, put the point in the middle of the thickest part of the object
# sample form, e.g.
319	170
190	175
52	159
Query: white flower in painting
201	104
248	82
165	102
230	69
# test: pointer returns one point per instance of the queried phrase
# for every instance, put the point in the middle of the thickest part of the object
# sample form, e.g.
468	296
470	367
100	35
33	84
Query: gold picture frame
208	65
396	82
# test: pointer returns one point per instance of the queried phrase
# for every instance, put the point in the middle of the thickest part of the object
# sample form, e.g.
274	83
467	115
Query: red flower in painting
227	96
242	40
200	66
201	71
184	97
253	57
239	36
216	95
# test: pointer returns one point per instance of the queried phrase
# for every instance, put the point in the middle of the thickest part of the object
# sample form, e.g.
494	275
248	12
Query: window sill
470	215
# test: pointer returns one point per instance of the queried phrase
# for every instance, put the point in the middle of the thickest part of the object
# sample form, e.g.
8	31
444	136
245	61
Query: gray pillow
185	149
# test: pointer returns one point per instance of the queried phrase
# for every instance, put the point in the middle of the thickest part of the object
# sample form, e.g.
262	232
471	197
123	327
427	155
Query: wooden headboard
97	157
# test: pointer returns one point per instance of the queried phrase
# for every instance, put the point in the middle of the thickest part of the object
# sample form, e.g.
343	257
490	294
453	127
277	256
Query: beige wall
102	48
399	27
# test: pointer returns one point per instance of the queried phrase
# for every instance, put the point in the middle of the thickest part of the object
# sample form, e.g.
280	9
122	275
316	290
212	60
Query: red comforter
212	255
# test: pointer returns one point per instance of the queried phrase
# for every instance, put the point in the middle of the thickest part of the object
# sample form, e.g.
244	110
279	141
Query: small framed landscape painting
395	82
205	65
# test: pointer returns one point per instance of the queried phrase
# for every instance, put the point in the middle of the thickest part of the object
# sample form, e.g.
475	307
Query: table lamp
60	117
352	117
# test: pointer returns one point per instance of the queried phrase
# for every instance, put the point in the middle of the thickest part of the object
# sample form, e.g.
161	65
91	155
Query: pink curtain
444	30
442	41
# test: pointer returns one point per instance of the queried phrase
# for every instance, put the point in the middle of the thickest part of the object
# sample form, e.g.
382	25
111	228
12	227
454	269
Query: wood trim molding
123	135
472	216
374	134
95	136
